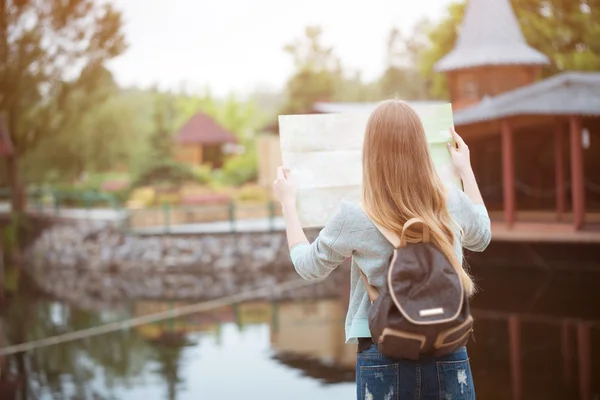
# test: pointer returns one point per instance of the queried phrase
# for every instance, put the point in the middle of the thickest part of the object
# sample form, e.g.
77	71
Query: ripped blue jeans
430	378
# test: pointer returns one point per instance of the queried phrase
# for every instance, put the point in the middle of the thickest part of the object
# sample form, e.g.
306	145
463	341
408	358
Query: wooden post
585	361
561	201
567	352
577	179
514	338
1	289
508	172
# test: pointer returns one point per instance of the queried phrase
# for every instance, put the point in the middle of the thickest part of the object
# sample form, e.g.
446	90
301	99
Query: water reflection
309	336
530	344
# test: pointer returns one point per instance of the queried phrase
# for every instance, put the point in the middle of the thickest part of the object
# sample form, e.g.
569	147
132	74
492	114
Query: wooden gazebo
516	124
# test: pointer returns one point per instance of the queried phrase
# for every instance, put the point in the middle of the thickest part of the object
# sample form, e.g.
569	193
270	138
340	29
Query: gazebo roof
202	129
490	35
569	93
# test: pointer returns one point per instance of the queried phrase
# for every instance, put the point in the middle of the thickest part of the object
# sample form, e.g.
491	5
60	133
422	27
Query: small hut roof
202	129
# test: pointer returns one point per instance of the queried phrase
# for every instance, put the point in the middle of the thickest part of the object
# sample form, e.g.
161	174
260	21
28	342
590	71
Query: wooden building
531	140
202	141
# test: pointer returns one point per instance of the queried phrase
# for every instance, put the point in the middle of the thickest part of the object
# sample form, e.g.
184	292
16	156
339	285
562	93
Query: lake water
537	337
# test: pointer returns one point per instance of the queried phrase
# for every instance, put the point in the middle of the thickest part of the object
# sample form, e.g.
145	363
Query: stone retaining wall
91	264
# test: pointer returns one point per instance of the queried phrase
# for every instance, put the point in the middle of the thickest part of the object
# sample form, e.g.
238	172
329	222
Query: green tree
158	165
354	89
161	140
441	40
317	76
101	138
568	32
50	50
401	78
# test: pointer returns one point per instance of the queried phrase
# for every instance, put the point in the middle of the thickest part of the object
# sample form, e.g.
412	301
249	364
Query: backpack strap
372	291
406	227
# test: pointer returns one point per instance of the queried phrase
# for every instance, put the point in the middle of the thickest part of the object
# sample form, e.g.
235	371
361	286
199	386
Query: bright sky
237	45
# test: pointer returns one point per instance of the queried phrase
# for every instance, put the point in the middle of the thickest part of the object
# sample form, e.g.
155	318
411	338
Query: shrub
203	173
165	173
239	169
253	193
141	197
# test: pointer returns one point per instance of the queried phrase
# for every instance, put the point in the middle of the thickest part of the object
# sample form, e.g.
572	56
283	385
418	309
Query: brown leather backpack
423	307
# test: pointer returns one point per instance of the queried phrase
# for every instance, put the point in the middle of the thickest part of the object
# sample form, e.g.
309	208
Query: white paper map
324	155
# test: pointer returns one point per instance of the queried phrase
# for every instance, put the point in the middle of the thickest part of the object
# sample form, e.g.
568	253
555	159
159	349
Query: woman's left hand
284	188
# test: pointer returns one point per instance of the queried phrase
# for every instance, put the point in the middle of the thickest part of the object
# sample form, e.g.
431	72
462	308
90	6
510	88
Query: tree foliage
317	75
566	31
99	140
49	52
320	76
401	78
441	40
161	139
165	172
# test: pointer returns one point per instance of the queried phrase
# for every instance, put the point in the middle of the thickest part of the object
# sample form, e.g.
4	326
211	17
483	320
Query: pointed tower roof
490	35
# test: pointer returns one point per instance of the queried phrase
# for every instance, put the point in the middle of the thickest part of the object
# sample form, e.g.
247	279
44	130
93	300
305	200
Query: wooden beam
567	352
508	173
522	123
585	361
516	373
561	200
577	174
199	154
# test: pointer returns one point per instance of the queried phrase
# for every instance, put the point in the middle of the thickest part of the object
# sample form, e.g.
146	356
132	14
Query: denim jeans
429	378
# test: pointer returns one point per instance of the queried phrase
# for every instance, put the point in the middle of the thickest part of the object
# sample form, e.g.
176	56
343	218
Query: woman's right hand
284	188
459	151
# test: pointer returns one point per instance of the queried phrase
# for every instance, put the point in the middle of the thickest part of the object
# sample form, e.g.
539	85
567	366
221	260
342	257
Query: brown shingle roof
202	129
569	93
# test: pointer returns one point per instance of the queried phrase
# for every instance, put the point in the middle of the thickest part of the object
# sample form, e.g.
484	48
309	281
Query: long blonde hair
400	181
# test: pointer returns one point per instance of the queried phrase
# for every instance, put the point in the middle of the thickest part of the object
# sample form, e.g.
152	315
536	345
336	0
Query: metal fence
228	217
165	218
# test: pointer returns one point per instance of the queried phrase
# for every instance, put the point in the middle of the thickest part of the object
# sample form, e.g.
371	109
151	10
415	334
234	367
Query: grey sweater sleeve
328	251
473	220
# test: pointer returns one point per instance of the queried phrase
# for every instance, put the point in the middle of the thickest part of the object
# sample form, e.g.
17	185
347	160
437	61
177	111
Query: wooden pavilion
518	126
